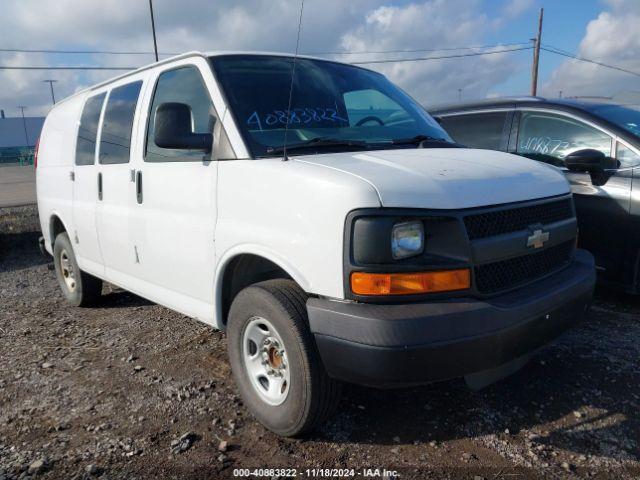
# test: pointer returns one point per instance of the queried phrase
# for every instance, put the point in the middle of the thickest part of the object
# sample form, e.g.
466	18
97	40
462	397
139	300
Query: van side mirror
586	160
174	129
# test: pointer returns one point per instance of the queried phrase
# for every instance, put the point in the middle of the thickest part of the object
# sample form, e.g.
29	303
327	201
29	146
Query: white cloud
515	8
435	24
611	38
328	25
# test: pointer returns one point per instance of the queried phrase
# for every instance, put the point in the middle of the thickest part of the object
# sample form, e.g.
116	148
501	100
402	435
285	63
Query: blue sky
606	30
564	26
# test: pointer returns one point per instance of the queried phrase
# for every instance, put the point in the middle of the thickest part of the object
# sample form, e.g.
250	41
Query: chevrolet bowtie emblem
537	239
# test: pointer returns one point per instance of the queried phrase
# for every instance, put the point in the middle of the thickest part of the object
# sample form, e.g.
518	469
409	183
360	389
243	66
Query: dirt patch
133	390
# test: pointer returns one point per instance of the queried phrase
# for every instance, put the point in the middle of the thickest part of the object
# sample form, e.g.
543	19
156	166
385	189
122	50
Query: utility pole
153	29
53	97
536	56
24	124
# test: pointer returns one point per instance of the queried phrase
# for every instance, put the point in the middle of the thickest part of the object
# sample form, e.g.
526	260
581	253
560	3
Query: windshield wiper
317	142
425	141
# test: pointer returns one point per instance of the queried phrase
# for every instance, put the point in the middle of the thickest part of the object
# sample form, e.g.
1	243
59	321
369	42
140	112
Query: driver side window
181	85
549	137
372	108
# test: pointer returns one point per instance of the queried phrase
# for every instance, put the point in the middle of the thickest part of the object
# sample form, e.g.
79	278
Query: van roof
190	55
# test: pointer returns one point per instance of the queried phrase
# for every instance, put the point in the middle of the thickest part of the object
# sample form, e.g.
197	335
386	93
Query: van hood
446	178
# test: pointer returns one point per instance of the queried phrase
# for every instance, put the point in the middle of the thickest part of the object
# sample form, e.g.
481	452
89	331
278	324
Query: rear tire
79	288
268	328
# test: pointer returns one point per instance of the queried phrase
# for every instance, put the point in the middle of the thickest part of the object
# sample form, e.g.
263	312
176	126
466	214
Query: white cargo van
373	250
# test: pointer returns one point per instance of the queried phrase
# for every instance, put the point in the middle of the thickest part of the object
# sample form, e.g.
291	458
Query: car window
626	157
476	130
115	138
549	137
372	107
88	130
181	85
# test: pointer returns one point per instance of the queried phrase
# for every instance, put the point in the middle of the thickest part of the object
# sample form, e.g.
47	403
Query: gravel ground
133	390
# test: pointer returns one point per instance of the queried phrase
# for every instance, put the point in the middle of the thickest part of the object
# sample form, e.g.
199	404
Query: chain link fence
19	155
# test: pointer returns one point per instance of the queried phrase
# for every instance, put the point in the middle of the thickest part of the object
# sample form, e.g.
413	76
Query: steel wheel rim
265	361
68	273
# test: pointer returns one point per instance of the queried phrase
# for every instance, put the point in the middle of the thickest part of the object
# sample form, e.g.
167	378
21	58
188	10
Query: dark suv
596	144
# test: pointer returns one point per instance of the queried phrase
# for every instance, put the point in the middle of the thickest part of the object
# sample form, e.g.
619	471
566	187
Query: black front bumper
413	343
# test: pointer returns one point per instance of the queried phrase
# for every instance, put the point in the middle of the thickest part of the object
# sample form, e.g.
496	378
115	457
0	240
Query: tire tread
325	391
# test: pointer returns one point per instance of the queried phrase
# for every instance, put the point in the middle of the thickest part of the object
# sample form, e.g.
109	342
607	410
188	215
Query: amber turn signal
363	283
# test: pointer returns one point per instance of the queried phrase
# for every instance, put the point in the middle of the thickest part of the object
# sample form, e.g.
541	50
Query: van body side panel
291	213
54	185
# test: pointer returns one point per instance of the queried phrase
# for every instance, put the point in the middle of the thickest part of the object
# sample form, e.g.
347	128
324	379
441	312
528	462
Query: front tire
275	361
79	288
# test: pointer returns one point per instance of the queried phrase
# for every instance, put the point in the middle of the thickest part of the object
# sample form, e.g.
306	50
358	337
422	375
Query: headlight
407	239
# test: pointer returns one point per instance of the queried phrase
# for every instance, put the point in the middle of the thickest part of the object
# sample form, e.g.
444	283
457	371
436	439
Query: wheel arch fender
56	225
258	251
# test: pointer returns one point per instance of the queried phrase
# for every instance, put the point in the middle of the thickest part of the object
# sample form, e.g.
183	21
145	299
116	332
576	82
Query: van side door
115	185
602	201
84	236
174	212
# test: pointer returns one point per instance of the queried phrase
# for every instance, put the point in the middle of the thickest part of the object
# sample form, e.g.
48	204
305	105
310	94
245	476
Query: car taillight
35	154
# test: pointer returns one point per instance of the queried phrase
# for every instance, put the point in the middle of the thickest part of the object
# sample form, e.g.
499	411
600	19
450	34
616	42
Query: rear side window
88	130
115	140
181	85
477	130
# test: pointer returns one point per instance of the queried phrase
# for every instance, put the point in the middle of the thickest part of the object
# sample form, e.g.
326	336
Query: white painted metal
172	230
196	217
54	186
113	212
447	178
85	199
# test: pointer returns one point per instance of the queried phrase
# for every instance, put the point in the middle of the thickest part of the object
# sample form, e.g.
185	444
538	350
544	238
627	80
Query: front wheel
274	359
79	288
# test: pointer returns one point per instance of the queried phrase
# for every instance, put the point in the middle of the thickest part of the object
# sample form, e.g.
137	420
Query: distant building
16	146
12	131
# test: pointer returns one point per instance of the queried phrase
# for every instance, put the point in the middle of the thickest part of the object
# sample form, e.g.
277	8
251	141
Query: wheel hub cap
68	274
265	361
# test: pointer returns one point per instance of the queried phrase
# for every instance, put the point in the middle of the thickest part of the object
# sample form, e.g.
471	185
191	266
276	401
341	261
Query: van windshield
333	106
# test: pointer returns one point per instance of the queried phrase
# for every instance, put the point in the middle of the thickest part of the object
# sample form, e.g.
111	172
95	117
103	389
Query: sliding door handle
139	186
100	186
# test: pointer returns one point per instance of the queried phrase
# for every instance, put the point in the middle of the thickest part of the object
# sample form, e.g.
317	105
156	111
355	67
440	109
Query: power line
364	52
11	67
564	53
442	57
371	52
417	59
82	52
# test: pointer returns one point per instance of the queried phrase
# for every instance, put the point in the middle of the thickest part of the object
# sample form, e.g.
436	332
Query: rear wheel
275	361
79	288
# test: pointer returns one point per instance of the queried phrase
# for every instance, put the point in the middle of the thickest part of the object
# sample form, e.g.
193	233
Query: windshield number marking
295	116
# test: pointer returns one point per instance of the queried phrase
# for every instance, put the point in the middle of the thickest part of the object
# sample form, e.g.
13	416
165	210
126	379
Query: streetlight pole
53	97
24	124
153	30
